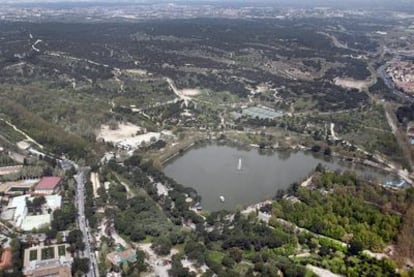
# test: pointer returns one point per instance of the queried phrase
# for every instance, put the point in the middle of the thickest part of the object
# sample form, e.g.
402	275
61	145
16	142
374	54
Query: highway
83	225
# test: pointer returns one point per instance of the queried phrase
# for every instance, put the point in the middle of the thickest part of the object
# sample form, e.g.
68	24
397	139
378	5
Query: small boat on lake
239	164
222	199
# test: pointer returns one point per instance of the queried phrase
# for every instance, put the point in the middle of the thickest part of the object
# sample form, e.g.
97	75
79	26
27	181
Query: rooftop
48	183
53	201
10	187
19	204
24	145
119	257
51	260
36	221
18	212
6	259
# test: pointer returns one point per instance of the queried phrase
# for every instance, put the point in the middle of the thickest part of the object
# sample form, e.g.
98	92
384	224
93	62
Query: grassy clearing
215	256
33	255
61	250
48	253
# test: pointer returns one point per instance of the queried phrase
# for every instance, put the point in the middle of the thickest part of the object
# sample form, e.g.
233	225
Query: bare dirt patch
351	83
123	132
140	72
190	92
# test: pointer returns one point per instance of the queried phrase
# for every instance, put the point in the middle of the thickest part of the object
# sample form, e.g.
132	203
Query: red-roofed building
6	259
47	186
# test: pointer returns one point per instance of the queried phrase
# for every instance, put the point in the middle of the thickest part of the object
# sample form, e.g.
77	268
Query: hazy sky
308	3
223	1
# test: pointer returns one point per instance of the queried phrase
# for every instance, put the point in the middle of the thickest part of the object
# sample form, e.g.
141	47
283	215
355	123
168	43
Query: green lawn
61	250
48	253
33	255
216	256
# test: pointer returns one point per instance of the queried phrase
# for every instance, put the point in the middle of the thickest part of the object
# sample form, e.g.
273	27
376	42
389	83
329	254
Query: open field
118	133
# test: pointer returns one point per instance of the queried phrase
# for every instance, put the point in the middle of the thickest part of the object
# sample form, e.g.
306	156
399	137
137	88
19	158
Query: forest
220	55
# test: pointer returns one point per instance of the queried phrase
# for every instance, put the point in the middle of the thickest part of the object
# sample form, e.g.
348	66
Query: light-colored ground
351	83
192	268
107	156
254	207
10	169
161	189
127	135
159	268
17	157
95	183
378	256
182	94
106	185
117	238
136	141
321	272
136	71
307	182
125	131
190	92
130	193
333	134
262	88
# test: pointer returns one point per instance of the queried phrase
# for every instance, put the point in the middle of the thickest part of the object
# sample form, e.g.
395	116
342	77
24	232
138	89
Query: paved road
83	225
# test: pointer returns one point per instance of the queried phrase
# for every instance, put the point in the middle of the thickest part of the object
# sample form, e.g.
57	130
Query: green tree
355	246
161	246
80	265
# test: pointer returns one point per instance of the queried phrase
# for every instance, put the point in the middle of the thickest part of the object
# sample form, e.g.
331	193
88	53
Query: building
47	186
53	202
18	213
51	260
6	261
17	187
17	210
119	257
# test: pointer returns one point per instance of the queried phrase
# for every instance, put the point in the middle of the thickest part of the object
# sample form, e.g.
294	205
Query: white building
26	222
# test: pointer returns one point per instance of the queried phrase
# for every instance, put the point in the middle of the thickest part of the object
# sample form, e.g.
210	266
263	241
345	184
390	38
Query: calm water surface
215	170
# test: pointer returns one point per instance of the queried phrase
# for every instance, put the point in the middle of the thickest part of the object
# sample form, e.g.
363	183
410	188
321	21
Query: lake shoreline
293	149
213	171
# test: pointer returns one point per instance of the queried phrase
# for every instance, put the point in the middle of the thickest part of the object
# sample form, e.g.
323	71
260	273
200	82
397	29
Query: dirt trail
333	132
23	133
96	184
160	269
178	92
130	193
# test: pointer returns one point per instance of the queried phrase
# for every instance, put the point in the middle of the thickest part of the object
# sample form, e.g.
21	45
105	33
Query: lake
245	177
